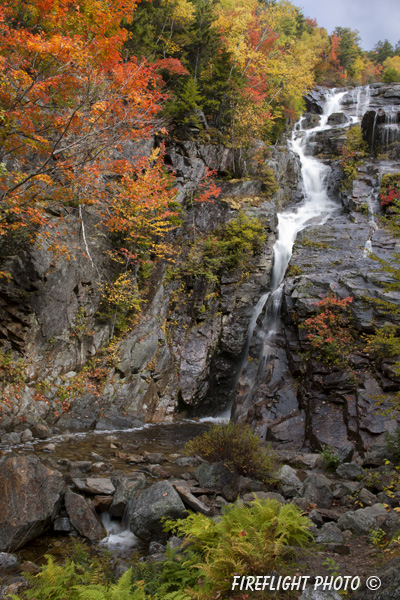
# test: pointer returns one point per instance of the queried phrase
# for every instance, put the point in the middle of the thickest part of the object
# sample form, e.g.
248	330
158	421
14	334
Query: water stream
316	208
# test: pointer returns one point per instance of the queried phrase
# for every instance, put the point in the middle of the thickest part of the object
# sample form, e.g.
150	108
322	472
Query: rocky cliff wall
185	345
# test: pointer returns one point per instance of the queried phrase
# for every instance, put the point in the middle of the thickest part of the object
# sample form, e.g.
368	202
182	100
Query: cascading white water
316	203
120	540
390	128
362	97
332	105
316	206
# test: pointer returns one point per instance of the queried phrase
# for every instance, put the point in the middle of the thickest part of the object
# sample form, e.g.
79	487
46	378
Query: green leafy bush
238	446
226	248
331	459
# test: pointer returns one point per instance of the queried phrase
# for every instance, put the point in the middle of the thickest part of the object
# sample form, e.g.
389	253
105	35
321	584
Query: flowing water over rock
317	206
293	399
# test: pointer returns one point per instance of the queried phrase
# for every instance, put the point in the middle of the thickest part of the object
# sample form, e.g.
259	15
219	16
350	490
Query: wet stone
62	524
97	486
8	561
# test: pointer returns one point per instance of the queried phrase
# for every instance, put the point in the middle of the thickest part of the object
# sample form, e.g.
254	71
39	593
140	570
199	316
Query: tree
160	29
391	69
275	66
68	103
205	41
184	109
349	47
382	50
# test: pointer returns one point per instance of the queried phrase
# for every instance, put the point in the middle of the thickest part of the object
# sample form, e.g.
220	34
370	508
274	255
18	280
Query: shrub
226	248
331	459
389	191
330	332
390	75
238	446
246	540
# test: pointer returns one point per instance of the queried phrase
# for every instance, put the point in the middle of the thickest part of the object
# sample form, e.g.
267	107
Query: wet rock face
315	100
291	396
49	312
381	130
30	498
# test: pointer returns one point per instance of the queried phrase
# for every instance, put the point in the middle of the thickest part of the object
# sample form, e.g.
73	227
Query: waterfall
332	105
316	206
362	99
390	128
120	540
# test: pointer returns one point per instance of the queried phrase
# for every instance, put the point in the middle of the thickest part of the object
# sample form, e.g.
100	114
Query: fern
56	582
119	591
179	573
247	539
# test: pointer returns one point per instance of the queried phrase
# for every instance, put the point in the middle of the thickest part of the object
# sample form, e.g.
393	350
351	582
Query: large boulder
125	488
214	476
30	498
363	520
351	471
83	518
83	415
317	490
147	509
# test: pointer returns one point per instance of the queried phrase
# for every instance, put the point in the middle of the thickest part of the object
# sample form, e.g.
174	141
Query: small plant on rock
330	331
377	537
330	458
238	446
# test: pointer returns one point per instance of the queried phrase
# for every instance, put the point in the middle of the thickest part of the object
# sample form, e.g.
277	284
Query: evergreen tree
184	109
204	39
382	50
349	47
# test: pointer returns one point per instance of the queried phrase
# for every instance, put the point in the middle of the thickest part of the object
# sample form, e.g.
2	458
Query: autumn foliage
69	104
390	190
329	332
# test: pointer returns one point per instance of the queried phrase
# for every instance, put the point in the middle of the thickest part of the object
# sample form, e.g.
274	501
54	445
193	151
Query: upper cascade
376	107
317	206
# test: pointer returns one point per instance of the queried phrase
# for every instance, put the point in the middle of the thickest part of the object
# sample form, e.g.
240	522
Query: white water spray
120	538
